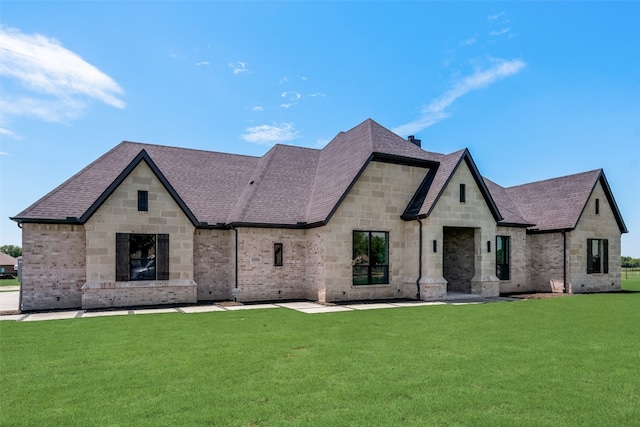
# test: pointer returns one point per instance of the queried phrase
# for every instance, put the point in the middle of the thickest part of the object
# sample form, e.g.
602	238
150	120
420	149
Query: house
370	216
7	264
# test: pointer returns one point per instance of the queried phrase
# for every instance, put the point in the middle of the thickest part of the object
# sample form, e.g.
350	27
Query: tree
11	250
628	262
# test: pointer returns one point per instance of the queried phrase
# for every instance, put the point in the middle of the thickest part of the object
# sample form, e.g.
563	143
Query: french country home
370	216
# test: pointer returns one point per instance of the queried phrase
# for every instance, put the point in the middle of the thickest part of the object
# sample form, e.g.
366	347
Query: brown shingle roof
558	203
294	186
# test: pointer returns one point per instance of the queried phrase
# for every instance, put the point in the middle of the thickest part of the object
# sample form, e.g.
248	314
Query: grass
557	362
9	282
631	279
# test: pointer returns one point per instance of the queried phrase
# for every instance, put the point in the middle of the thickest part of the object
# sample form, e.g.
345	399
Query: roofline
514	224
466	155
554	230
384	158
142	156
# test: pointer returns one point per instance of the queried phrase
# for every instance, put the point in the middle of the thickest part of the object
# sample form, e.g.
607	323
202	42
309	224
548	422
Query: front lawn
9	282
568	361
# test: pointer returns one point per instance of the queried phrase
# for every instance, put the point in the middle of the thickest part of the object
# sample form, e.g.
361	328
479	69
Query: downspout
236	250
564	261
419	260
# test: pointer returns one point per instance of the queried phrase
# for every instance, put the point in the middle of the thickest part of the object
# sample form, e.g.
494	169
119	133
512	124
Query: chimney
413	140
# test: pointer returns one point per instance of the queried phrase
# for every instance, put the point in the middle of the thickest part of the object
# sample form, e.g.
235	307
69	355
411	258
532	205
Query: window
597	256
277	254
143	201
142	257
463	196
503	244
370	262
597	206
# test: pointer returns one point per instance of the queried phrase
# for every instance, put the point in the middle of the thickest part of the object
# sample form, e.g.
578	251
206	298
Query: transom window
503	249
370	261
597	256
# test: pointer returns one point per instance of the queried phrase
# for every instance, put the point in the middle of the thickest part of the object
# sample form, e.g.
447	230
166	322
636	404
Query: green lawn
569	361
631	280
9	282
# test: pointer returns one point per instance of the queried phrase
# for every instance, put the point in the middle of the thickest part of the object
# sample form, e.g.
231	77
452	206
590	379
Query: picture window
370	261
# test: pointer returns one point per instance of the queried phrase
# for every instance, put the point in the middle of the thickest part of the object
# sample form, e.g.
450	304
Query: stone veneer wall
592	226
517	260
258	278
214	263
375	203
53	269
450	212
119	214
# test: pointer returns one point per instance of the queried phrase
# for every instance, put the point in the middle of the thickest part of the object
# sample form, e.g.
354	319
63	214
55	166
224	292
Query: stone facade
473	213
71	266
518	281
374	203
595	226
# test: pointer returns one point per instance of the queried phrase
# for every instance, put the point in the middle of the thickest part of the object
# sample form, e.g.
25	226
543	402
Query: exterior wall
450	212
214	263
119	214
517	260
545	261
458	263
258	278
53	269
316	256
592	226
139	293
375	203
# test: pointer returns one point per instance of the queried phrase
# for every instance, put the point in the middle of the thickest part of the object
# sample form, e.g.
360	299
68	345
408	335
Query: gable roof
558	203
299	187
6	259
437	180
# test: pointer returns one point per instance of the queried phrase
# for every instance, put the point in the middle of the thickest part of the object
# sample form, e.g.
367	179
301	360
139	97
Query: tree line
628	262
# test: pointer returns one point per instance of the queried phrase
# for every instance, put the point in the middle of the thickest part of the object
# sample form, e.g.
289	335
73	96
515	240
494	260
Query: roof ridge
554	179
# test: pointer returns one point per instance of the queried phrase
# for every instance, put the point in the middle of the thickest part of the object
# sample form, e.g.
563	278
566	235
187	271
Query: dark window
370	262
597	256
503	244
143	200
597	206
277	254
463	196
142	257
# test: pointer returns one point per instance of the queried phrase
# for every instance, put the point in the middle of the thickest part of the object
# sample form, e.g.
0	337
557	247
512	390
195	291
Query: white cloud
469	41
7	132
436	110
270	134
500	31
202	63
257	108
54	83
239	67
2	153
292	97
495	16
284	80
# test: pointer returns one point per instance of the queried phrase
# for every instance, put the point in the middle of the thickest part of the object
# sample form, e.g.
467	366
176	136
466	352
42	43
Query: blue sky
534	89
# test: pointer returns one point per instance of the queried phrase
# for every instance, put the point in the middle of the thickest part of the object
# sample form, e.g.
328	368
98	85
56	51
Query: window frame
503	247
124	260
143	201
278	254
373	269
601	265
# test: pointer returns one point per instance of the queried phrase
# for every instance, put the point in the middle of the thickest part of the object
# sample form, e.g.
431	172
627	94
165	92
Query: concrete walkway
9	302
